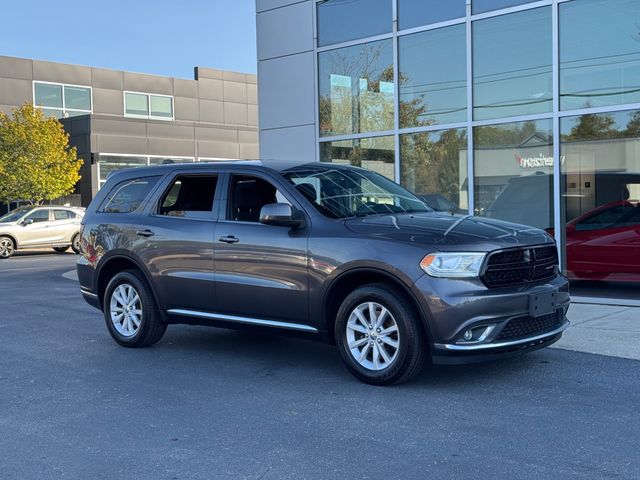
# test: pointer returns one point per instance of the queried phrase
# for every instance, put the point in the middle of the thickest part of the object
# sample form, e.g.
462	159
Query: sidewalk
603	329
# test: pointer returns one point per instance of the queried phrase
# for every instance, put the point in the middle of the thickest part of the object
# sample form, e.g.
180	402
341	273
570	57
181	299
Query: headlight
457	265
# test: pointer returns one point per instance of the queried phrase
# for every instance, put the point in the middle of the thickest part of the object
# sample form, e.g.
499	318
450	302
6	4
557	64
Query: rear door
261	270
176	234
63	225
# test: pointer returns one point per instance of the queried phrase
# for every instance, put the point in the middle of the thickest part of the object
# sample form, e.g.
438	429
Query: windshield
344	193
15	215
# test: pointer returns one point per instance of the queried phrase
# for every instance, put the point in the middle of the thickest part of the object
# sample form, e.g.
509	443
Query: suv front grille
530	326
517	267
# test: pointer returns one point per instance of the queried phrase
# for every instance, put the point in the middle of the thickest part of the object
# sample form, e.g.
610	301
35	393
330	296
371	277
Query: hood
7	224
448	232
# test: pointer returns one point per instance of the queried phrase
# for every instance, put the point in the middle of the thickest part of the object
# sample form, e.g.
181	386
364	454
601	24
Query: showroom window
147	105
108	163
434	167
433	77
601	195
482	6
61	101
514	172
344	20
415	13
512	61
356	89
376	153
603	67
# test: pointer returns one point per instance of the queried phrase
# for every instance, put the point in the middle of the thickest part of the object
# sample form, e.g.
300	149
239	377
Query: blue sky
163	37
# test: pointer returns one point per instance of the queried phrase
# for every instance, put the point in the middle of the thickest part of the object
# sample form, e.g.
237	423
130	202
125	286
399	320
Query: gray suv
318	250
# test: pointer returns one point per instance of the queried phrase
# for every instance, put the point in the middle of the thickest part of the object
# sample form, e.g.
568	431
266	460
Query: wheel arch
356	277
13	239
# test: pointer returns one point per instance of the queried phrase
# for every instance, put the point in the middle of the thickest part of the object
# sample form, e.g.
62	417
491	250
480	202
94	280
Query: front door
176	235
261	270
36	229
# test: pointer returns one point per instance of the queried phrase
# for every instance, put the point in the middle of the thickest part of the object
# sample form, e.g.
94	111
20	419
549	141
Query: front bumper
455	306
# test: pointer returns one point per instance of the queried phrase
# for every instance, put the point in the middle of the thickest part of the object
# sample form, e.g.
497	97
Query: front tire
75	243
379	336
130	311
7	247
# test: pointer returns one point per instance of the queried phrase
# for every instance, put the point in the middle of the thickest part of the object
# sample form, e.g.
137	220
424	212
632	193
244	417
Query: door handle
145	233
229	239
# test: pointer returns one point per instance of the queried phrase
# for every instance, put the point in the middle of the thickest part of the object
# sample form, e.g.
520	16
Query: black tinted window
249	195
127	196
190	196
39	216
621	215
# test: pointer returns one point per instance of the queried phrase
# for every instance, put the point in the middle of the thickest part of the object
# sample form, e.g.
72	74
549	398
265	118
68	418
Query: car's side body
237	274
43	226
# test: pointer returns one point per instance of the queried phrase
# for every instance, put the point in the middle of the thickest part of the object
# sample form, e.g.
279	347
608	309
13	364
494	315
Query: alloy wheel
373	336
6	247
126	310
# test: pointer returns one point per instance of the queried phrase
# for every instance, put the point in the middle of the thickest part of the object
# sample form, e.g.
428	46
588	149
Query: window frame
150	116
49	215
64	108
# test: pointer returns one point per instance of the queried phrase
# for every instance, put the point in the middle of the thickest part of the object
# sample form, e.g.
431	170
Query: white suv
40	226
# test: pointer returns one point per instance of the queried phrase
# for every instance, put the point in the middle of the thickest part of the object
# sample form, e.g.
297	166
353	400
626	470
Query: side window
127	196
39	216
617	216
247	197
61	215
190	197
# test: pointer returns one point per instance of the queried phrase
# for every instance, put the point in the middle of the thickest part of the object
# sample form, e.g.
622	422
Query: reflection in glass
376	153
52	112
415	13
136	104
168	160
481	6
356	89
433	77
434	167
514	172
47	95
77	98
601	192
161	106
344	20
599	53
512	59
111	163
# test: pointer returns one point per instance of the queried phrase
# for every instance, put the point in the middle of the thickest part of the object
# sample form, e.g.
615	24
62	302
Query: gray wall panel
285	31
15	92
234	92
234	76
217	134
236	113
252	94
103	78
168	130
185	88
186	108
295	143
204	72
167	146
249	151
122	144
118	126
218	149
139	82
286	91
62	73
108	101
210	89
16	68
252	111
211	111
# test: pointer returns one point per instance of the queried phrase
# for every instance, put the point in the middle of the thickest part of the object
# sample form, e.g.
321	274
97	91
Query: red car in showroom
604	243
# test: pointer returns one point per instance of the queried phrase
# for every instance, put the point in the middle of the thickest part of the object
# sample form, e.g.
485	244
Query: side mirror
279	214
26	222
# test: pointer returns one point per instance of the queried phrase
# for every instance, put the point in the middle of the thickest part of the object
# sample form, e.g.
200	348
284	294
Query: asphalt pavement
211	403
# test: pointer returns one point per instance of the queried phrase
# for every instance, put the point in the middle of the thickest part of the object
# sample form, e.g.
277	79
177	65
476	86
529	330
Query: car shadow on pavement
41	253
272	353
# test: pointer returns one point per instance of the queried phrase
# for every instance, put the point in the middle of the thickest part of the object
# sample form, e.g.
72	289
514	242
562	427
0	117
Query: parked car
325	251
40	227
604	243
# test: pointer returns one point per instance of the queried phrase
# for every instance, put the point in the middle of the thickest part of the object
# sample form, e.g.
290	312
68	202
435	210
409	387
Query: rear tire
7	247
61	249
75	243
379	335
130	311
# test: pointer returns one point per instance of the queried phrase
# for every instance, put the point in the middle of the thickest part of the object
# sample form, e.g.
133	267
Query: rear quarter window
127	196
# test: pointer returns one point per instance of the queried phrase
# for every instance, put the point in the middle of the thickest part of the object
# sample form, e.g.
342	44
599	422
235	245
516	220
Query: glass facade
158	107
111	163
516	110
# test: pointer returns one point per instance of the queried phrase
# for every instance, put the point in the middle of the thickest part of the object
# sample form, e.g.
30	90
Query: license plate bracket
543	303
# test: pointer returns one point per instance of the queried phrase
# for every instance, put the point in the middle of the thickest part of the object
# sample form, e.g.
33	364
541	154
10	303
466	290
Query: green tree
36	161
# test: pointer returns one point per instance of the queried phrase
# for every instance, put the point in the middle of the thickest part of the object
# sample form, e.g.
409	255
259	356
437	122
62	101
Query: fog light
468	335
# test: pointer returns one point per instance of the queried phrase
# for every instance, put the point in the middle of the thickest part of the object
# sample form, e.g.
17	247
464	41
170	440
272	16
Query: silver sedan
39	227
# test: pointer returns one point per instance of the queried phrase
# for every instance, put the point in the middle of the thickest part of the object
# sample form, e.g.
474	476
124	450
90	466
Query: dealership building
120	119
527	111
